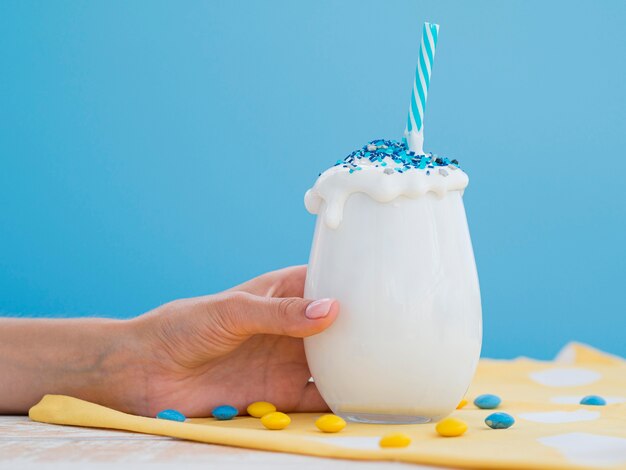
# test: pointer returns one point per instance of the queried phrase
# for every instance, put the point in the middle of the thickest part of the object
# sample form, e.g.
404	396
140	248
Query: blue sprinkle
499	421
399	153
224	412
171	415
487	401
593	400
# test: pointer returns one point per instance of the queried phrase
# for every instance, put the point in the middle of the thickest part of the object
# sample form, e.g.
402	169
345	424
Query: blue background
153	150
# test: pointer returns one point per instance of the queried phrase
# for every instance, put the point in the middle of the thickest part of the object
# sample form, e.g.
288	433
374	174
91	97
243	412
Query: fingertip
320	314
318	309
333	311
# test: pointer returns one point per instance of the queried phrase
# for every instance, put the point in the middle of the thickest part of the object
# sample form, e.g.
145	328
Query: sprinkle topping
384	170
380	153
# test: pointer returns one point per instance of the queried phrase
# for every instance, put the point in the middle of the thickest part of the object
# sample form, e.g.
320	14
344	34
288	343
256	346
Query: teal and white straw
414	132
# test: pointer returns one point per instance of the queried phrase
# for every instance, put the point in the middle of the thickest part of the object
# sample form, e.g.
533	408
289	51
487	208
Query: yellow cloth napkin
551	431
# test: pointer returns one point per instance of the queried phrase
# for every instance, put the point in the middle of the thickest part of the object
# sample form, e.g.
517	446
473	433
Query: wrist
93	362
119	376
90	359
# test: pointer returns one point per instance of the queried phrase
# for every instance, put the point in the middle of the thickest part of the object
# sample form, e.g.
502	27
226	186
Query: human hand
236	347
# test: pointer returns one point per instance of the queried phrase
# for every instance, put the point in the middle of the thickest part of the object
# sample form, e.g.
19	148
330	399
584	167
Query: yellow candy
330	423
461	404
451	427
276	420
258	409
396	439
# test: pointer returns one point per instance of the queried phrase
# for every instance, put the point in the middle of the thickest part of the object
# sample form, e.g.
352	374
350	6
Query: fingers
286	282
289	282
245	315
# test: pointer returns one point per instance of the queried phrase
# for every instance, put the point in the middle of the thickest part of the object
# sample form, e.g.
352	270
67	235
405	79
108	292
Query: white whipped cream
333	187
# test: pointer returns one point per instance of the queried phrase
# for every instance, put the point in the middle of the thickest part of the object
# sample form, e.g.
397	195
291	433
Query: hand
237	347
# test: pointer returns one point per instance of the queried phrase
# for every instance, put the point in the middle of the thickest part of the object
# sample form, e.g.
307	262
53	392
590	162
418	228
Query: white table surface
25	444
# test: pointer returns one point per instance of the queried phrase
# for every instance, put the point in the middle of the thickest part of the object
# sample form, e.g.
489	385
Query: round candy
499	420
276	420
451	427
461	404
396	439
258	409
330	423
224	412
487	401
171	415
594	400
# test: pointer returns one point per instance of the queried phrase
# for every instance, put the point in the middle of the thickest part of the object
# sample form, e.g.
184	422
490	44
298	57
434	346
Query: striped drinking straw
414	132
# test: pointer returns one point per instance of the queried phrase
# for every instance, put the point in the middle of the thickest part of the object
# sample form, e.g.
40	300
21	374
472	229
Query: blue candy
499	420
594	400
171	415
487	401
224	412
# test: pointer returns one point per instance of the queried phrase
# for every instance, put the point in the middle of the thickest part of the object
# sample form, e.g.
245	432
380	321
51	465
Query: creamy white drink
392	245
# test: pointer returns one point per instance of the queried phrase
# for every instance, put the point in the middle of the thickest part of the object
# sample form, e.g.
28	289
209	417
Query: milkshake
392	245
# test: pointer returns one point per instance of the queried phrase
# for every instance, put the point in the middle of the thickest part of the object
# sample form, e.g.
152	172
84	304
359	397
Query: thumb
248	314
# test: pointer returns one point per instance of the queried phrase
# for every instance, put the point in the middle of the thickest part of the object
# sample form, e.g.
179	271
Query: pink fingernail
318	309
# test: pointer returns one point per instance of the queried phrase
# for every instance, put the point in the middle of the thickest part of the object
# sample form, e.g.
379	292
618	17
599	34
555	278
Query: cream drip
382	183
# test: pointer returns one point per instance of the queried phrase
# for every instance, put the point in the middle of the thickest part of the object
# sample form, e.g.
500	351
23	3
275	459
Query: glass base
373	418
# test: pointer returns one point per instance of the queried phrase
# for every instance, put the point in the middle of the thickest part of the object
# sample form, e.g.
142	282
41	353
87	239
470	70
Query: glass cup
406	343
